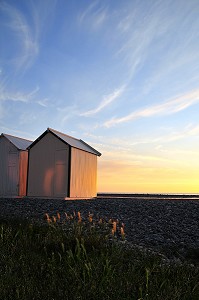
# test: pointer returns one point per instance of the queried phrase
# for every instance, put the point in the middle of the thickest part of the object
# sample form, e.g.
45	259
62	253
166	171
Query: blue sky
121	75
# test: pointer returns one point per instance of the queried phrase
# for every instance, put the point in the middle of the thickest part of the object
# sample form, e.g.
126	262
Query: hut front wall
48	168
83	174
9	168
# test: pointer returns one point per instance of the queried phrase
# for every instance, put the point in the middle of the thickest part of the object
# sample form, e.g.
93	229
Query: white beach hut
13	165
61	166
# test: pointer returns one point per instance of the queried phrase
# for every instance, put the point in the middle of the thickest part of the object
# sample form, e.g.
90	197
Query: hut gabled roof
19	143
69	140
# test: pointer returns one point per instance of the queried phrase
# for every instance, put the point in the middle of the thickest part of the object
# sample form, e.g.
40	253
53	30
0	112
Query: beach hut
61	166
13	165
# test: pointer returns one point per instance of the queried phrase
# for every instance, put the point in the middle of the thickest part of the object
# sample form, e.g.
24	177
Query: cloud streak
22	97
24	35
138	32
143	38
108	99
93	15
169	107
189	131
18	96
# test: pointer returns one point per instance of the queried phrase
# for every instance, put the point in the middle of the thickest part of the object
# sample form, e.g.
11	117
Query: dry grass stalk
79	217
47	218
122	232
114	226
90	217
54	219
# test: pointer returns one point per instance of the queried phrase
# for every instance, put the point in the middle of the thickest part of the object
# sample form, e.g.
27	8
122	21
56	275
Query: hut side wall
23	166
48	168
9	168
83	174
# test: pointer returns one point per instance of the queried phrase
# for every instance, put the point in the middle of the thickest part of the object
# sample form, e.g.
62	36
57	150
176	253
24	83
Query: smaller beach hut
13	165
61	166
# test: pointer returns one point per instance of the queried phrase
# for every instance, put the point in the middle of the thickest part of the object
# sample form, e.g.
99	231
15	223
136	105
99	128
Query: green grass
76	260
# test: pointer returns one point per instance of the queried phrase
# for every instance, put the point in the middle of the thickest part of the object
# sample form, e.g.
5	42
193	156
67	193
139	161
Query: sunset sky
121	75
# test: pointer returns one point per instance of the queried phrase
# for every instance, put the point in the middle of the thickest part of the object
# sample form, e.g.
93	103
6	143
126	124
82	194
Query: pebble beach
168	225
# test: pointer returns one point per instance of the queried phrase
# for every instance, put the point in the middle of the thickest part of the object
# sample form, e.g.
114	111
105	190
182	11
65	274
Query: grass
77	258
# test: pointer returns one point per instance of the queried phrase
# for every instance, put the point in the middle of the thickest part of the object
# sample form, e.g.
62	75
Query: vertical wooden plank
83	174
23	166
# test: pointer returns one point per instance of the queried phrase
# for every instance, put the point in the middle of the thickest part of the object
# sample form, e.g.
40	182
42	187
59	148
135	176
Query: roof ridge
91	147
69	140
14	136
79	140
51	129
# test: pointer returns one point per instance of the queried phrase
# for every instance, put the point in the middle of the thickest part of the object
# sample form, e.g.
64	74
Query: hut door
13	184
61	173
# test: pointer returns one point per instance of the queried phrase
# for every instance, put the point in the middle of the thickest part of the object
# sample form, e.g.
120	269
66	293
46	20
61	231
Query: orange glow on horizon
119	177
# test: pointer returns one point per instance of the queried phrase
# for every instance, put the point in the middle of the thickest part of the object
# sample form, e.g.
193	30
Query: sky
121	75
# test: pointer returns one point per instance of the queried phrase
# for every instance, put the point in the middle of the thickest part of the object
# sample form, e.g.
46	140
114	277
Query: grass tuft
72	257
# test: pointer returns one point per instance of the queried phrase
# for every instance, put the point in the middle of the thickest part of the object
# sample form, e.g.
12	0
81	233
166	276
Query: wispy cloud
27	117
18	96
137	32
108	145
144	37
24	33
43	102
94	15
1	111
188	131
169	107
66	113
20	133
174	135
87	11
108	99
